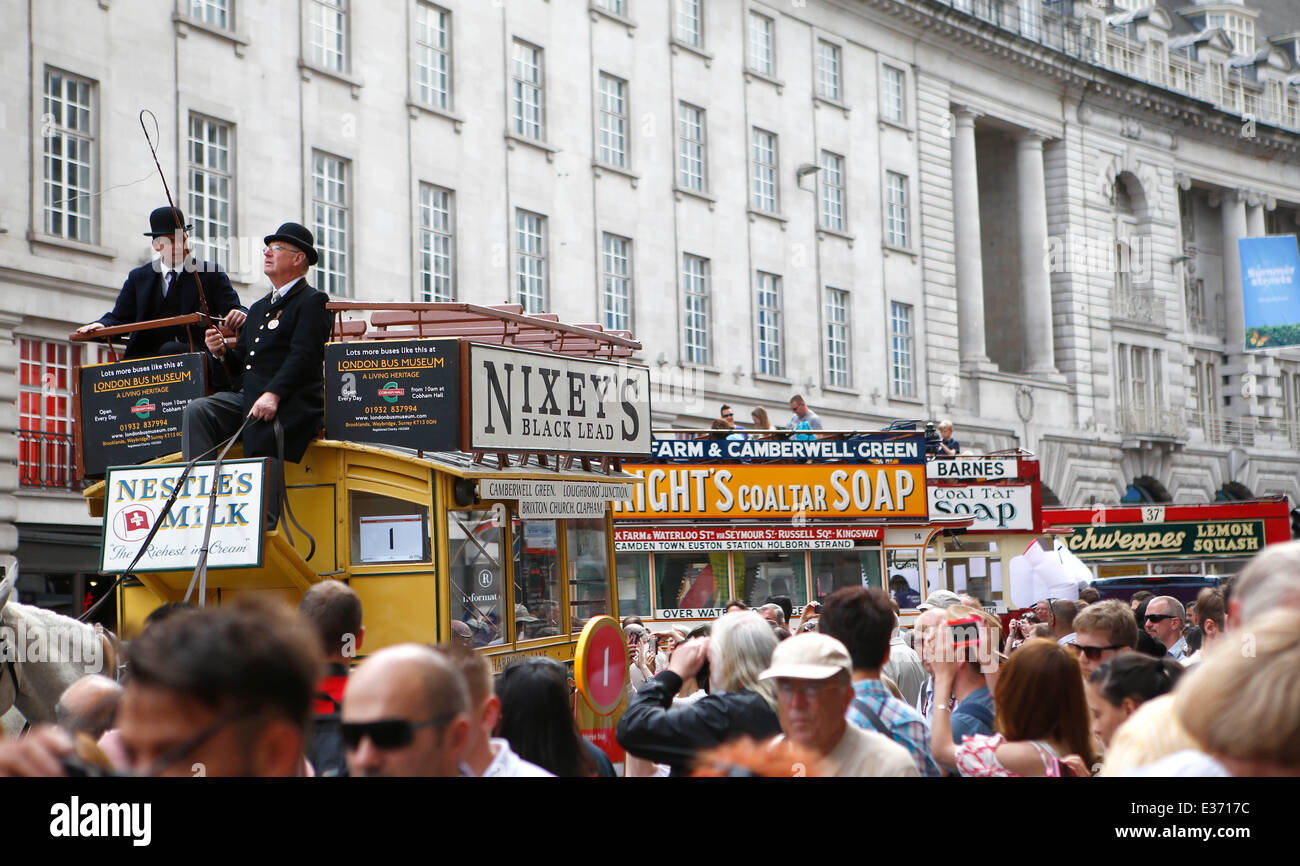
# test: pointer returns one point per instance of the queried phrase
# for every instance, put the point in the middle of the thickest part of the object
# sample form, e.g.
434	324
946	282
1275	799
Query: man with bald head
88	706
405	713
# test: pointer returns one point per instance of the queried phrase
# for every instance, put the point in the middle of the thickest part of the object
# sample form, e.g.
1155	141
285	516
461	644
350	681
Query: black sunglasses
1094	652
388	733
1157	617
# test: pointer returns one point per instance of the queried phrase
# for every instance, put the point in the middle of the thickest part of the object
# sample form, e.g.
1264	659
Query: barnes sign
534	401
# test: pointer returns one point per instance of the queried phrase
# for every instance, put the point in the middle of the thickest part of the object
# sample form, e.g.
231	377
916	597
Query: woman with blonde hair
1243	708
762	425
737	651
1041	718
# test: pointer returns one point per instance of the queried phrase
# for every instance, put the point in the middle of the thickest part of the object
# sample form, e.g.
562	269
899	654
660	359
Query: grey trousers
210	421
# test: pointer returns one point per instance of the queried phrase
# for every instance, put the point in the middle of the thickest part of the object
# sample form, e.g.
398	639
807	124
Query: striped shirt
902	723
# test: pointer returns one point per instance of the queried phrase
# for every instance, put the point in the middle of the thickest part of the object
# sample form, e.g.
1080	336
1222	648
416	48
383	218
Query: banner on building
1270	287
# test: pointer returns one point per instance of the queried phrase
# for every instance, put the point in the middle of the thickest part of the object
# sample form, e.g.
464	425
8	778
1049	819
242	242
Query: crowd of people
256	689
803	420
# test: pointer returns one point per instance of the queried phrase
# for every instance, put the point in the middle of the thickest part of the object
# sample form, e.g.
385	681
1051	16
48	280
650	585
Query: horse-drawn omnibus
457	487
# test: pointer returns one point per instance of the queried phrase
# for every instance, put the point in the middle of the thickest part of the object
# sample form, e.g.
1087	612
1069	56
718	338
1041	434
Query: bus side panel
398	609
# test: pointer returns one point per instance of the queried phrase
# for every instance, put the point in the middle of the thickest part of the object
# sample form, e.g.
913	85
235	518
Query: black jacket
288	360
143	290
651	729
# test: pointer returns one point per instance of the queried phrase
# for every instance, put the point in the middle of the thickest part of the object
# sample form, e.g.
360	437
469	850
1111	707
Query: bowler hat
297	235
165	221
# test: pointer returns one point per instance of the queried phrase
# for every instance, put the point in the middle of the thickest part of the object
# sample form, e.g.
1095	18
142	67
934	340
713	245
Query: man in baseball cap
814	689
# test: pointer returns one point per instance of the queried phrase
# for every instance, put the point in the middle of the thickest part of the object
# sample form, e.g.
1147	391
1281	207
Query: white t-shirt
506	764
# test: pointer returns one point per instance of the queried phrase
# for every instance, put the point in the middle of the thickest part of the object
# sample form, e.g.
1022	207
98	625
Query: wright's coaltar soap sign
403	392
131	411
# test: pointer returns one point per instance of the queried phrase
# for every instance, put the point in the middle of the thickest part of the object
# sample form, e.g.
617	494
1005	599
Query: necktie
167	282
275	297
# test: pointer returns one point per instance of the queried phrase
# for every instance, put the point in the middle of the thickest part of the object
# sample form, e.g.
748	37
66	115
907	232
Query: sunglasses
728	414
388	734
1094	652
1158	617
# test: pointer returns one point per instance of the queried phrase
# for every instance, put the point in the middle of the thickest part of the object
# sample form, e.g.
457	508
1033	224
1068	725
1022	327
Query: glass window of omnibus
386	529
691	580
588	548
477	584
835	569
760	574
633	584
537	578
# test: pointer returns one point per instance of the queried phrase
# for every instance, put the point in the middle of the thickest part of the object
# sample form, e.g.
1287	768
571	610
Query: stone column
1255	216
1232	210
1035	285
967	241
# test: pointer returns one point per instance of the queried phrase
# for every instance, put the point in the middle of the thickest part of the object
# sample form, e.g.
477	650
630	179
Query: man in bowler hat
169	286
280	355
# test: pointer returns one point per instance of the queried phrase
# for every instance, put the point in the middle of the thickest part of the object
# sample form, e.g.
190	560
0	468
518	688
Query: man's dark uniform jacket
141	298
282	349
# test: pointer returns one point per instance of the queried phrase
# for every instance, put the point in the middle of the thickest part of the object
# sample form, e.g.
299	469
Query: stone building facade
1019	214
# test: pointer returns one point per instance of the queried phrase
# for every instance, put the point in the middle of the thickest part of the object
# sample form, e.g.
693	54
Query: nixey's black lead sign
534	401
131	411
400	392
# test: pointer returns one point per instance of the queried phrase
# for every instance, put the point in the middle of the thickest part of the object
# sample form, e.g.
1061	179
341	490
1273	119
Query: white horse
42	653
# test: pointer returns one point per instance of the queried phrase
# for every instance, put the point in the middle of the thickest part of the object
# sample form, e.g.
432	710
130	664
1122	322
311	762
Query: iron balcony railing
47	460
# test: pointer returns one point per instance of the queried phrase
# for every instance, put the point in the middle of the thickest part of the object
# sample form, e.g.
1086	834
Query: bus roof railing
506	324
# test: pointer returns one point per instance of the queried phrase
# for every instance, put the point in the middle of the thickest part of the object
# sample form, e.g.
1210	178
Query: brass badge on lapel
275	323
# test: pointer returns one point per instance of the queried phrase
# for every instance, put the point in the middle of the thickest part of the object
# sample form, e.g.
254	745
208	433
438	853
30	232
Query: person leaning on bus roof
169	286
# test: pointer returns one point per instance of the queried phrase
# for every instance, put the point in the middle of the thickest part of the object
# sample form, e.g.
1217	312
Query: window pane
836	569
901	354
837	338
436	245
896	216
330	206
385	529
67	163
690	28
588	549
690	126
433	55
633	570
761	574
769	324
765	171
760	43
832	182
828	70
327	34
695	285
477	582
892	105
530	261
527	90
612	146
691	580
616	282
537	579
211	189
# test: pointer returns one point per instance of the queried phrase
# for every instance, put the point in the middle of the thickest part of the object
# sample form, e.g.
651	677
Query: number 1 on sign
606	683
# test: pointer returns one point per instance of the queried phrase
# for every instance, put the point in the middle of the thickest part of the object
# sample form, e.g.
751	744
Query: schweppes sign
768	491
1209	538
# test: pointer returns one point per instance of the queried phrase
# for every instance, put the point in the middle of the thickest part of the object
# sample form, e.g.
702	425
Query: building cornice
933	21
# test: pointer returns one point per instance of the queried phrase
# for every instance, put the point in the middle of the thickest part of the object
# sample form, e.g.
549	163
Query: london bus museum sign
765	491
541	402
134	497
131	411
399	392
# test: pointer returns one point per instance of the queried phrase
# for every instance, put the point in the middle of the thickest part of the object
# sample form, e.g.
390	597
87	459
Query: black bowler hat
165	222
297	235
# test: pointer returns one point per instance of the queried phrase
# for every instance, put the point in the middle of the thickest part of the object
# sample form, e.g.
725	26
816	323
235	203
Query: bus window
836	569
691	580
385	529
588	550
477	587
633	571
537	579
760	574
